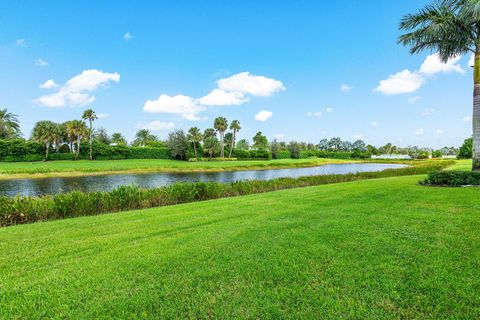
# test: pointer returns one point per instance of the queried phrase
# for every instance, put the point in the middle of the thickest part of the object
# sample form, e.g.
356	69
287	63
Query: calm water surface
37	187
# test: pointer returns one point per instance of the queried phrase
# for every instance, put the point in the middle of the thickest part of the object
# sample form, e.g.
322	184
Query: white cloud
329	110
263	115
428	112
402	82
247	83
374	124
346	88
49	84
467	119
127	36
158	125
433	65
21	43
40	62
419	132
358	136
219	97
439	131
103	115
279	136
471	61
414	99
76	90
317	114
179	104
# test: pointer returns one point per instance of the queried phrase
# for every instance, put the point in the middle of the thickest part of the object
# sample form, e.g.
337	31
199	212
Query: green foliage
325	154
452	178
252	154
466	150
9	125
211	159
178	144
260	141
19	210
283	154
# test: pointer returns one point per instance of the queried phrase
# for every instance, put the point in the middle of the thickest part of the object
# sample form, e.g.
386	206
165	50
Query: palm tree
90	115
79	130
194	136
143	137
45	133
70	130
118	139
451	28
235	126
221	124
9	125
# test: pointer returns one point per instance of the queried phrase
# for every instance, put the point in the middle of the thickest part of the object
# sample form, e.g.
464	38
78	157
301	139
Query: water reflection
36	187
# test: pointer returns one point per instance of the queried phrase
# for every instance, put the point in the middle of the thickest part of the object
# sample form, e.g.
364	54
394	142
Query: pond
43	186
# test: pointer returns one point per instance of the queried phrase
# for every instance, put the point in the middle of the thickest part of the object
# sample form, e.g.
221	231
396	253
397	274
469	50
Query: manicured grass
385	248
11	170
464	165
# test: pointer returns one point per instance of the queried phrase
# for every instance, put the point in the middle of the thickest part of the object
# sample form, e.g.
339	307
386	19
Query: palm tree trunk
47	146
195	149
476	114
90	120
232	144
78	148
222	145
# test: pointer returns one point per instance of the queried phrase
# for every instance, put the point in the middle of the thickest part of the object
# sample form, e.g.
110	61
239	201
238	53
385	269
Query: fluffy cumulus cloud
49	84
182	105
317	114
346	88
419	132
219	97
158	125
77	90
263	115
247	83
402	82
41	63
407	81
234	90
433	65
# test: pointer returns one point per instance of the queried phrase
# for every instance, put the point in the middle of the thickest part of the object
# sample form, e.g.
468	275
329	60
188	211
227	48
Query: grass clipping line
21	210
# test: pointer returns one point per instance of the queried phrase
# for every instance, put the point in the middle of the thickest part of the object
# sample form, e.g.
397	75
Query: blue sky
308	69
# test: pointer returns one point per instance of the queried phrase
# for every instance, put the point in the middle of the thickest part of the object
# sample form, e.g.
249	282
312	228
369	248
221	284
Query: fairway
12	170
384	248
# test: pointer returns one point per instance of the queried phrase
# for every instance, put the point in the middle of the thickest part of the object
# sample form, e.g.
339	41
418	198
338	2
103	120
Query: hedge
19	210
252	154
325	154
452	178
284	154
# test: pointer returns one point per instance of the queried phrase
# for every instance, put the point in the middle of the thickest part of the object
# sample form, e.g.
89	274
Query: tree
90	115
118	139
243	145
58	135
235	127
335	144
210	141
194	137
466	149
9	125
71	135
260	141
101	135
143	137
178	144
221	124
44	132
79	130
323	145
450	28
359	145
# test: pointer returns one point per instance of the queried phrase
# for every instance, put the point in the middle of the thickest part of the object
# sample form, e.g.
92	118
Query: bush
284	154
325	154
252	154
19	210
466	150
452	178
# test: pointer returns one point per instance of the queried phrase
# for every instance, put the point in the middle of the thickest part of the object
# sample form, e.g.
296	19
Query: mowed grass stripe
384	248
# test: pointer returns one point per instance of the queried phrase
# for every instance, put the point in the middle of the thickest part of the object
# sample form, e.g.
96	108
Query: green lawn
464	165
9	170
384	248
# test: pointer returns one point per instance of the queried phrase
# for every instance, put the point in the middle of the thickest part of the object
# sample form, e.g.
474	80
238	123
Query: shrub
466	150
252	154
325	154
452	178
19	210
284	154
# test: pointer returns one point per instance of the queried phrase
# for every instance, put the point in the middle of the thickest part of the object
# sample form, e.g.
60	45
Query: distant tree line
78	139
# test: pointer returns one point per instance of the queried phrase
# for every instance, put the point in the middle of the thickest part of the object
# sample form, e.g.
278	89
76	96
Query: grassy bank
20	210
384	248
18	170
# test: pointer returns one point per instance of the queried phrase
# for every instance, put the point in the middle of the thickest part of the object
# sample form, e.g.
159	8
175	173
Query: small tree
194	137
45	132
260	141
101	135
466	150
90	115
118	139
243	145
221	124
178	144
235	127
